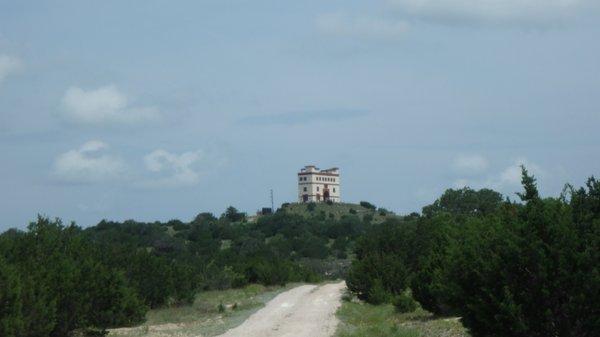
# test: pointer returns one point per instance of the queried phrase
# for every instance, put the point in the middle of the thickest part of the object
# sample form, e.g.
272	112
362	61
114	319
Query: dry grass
203	317
364	320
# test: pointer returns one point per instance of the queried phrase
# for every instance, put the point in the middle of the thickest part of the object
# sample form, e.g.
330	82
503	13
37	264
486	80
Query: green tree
11	312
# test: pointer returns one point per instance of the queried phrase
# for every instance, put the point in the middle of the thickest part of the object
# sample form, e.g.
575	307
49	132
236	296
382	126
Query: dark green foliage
59	280
381	262
368	205
404	303
532	274
57	283
465	202
311	206
507	269
528	182
233	215
352	211
433	236
11	313
378	294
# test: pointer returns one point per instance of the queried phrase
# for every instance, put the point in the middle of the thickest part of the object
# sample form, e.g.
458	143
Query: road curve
304	311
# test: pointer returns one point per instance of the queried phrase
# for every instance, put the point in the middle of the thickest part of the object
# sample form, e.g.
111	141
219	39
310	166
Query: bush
311	206
524	270
378	294
347	296
368	205
352	211
405	303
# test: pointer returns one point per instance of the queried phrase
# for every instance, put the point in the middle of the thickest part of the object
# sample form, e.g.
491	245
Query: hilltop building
315	185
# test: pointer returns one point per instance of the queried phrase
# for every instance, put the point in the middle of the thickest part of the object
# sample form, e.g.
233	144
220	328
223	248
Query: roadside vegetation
360	319
58	279
212	313
506	268
527	268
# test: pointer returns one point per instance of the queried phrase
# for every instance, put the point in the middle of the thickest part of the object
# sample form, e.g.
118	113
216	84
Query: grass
359	319
337	210
212	313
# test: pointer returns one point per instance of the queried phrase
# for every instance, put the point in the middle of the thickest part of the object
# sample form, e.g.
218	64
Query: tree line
527	268
60	279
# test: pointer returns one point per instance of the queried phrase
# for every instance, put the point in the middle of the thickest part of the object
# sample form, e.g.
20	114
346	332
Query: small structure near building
315	185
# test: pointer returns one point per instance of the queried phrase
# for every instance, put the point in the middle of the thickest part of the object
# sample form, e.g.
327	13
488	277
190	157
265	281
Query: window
317	188
305	189
333	189
304	178
300	179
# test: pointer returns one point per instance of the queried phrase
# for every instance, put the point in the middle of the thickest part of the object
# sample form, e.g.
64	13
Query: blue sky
156	110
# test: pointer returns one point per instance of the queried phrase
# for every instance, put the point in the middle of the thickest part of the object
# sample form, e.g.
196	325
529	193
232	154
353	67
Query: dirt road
305	311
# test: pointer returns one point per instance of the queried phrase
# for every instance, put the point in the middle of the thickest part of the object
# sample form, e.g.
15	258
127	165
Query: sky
158	110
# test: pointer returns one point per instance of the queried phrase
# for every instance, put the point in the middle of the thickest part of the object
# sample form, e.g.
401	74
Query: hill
337	211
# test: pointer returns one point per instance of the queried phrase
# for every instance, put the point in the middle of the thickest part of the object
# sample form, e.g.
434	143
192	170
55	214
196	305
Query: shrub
368	205
352	211
378	294
405	303
347	296
311	206
525	270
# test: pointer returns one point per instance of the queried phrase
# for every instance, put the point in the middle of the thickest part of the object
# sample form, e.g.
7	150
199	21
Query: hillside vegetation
339	210
506	268
57	279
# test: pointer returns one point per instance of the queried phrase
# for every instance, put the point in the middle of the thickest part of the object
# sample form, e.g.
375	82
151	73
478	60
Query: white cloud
8	65
507	180
179	168
88	164
470	164
492	11
341	24
511	176
105	105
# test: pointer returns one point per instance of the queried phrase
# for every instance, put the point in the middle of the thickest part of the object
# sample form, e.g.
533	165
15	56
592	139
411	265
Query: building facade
315	185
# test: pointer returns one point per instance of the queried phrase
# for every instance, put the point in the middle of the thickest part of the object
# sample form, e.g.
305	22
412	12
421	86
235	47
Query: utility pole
272	203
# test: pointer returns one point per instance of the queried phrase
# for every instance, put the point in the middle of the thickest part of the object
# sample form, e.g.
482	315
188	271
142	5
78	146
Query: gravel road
305	311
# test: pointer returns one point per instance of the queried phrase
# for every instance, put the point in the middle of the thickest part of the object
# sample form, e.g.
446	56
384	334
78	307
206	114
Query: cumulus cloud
506	180
341	24
491	11
511	176
8	65
105	105
470	164
89	163
175	169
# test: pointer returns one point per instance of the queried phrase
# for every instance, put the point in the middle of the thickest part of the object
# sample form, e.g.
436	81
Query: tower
315	185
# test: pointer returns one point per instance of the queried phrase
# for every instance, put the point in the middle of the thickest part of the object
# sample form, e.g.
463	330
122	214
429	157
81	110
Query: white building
316	185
